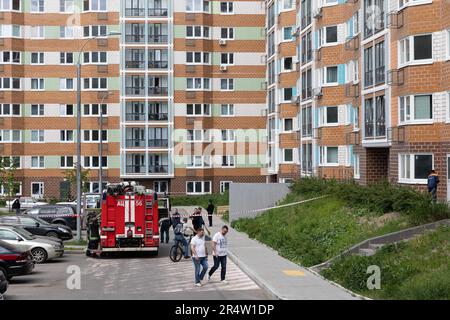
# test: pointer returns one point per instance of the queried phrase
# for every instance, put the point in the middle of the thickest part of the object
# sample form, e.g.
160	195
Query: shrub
2	203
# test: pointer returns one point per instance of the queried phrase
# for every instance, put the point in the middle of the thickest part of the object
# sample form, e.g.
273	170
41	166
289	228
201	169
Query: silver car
41	248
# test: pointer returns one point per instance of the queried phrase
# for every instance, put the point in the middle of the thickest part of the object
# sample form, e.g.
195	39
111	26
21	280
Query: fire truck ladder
148	220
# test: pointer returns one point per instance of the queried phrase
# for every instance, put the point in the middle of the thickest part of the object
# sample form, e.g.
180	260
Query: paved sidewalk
278	276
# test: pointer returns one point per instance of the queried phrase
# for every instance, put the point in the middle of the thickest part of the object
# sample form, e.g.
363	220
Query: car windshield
24	233
42	222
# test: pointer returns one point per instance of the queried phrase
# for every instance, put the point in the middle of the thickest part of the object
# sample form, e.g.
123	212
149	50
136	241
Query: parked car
92	202
37	226
55	214
26	203
42	249
3	284
15	261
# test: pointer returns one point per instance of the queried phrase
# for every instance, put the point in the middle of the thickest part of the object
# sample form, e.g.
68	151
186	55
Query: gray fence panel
245	197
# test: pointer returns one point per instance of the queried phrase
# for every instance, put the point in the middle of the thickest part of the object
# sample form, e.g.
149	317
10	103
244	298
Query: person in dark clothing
164	230
210	211
197	220
176	219
93	233
432	184
16	205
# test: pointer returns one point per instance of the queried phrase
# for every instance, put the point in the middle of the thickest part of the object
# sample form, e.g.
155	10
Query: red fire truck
129	220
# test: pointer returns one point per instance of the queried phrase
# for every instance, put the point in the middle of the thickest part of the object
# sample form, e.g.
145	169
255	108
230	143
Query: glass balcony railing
158	169
157	91
135	143
158	64
158	143
157	12
135	168
158	117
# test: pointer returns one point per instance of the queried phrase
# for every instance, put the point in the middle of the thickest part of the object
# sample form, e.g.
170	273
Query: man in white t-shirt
199	256
220	253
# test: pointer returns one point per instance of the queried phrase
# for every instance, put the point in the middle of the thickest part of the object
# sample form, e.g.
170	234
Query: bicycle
177	250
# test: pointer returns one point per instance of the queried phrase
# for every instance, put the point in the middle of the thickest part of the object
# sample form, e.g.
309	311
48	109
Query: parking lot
129	277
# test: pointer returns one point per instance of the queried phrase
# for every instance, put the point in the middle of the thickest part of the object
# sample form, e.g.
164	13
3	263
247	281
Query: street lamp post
79	131
100	151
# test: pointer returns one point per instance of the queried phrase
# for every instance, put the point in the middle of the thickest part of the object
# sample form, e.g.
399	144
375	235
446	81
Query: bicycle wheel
176	253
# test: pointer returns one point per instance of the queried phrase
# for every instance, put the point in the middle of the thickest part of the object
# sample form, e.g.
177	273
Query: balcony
158	64
135	116
135	143
134	12
158	38
135	91
158	91
380	75
158	117
157	12
158	143
135	168
158	169
134	38
135	64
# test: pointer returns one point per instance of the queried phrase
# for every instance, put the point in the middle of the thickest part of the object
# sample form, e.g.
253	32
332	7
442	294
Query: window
37	136
37	32
416	108
226	7
37	84
37	110
287	4
37	162
375	118
66	84
198	187
198	58
288	125
95	83
404	3
10	136
374	16
95	31
197	6
287	34
414	168
37	6
66	32
287	94
197	32
37	58
10	110
328	156
161	186
66	6
227	33
198	84
94	5
6	5
306	121
328	116
10	83
66	136
95	57
288	155
12	57
228	161
198	109
227	110
287	64
356	166
228	135
66	110
67	162
227	58
66	58
329	75
198	135
198	162
306	84
225	186
226	84
328	36
93	162
306	47
37	189
94	109
94	135
11	162
416	49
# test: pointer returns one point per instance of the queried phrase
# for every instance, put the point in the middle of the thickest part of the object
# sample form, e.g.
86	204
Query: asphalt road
130	277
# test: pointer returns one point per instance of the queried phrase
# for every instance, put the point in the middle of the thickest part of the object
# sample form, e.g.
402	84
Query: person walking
210	210
219	248
199	256
93	233
164	230
16	205
432	184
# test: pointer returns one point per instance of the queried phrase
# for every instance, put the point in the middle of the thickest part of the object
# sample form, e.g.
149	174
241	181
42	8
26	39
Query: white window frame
37	32
223	185
205	84
91	108
91	81
228	83
323	77
202	55
229	56
64	136
40	56
198	162
323	160
230	135
9	6
63	164
229	108
40	162
283	34
40	84
407	43
198	135
37	6
410	3
40	136
230	33
88	57
284	155
199	192
203	107
229	7
323	36
66	6
401	164
230	161
203	30
90	140
11	136
356	166
66	32
284	125
91	161
192	6
41	107
323	117
11	107
412	106
41	188
63	84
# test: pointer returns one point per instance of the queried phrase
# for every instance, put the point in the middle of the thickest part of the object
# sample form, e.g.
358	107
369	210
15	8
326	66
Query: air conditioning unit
318	92
223	42
223	67
317	13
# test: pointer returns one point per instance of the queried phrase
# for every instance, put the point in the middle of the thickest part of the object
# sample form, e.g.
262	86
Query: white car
41	248
26	203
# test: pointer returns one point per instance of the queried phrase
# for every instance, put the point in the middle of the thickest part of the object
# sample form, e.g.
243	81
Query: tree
71	176
8	178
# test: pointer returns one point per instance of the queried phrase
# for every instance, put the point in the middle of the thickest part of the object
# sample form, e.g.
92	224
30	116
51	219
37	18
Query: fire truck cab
129	219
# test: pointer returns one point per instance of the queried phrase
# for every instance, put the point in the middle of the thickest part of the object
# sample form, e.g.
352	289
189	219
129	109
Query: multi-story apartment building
372	92
181	91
